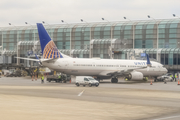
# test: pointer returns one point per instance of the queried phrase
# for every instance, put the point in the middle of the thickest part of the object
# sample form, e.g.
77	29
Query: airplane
100	68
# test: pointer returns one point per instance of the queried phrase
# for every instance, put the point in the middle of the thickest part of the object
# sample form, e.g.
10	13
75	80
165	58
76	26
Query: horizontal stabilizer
27	59
42	60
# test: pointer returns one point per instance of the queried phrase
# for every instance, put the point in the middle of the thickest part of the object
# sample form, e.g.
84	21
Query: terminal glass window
175	59
107	32
116	32
60	45
149	43
172	43
161	43
139	32
138	43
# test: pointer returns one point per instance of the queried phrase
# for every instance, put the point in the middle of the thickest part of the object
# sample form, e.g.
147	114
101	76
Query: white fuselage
99	67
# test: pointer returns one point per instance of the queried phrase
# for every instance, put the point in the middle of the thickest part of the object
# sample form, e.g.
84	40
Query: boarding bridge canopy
28	42
66	52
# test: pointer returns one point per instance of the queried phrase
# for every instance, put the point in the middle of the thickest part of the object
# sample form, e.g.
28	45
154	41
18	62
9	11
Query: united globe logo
51	51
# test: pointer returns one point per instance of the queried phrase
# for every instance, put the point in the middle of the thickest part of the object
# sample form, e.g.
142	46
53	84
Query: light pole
133	29
33	42
106	20
70	33
64	22
17	44
2	41
174	15
83	21
2	46
48	27
89	38
33	31
157	36
110	48
1	54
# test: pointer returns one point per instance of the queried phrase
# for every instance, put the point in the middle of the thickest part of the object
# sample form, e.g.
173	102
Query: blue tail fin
148	61
49	49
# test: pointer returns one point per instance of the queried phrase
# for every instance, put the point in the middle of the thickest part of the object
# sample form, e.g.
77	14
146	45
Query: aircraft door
118	67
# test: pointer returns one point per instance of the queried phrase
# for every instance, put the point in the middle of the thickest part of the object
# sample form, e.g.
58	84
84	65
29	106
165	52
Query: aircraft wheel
115	80
77	84
112	80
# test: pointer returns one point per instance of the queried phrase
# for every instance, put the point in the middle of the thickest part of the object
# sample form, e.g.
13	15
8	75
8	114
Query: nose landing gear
114	80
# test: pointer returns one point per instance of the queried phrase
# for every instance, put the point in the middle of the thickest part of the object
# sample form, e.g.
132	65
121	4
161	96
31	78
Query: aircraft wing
119	72
27	59
127	71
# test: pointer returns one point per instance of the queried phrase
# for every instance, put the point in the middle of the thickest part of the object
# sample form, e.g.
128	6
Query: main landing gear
114	80
155	79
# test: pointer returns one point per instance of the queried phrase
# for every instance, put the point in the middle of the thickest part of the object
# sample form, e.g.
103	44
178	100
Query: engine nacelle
135	76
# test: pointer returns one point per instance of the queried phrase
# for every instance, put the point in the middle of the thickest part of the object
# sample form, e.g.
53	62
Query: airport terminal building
159	38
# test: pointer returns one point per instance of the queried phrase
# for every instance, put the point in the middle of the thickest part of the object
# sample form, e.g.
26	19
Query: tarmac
24	99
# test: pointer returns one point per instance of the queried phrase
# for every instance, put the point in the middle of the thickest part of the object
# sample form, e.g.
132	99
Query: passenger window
85	79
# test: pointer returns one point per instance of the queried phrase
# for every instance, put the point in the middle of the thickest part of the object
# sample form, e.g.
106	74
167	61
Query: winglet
36	57
39	62
148	61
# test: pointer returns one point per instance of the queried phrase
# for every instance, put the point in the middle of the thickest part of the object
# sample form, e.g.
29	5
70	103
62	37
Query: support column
157	42
18	60
90	56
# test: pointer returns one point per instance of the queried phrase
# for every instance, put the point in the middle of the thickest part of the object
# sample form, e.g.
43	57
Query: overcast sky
53	11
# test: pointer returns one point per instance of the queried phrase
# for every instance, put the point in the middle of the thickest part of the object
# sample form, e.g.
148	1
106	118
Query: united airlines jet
100	68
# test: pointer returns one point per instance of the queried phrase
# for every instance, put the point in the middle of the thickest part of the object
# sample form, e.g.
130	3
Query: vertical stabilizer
148	61
49	49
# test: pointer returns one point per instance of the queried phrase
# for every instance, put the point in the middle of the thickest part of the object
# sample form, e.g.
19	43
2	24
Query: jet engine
134	76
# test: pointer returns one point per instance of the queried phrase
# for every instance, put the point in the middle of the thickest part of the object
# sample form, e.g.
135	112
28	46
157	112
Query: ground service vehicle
53	78
86	80
14	74
166	77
